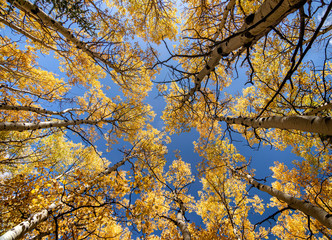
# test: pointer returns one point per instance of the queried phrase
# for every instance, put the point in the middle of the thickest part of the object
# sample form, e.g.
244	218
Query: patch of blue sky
262	157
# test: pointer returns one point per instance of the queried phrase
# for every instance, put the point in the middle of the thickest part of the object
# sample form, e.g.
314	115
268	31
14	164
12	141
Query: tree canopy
84	156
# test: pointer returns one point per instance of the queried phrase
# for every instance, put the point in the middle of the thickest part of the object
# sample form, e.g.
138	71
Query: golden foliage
106	169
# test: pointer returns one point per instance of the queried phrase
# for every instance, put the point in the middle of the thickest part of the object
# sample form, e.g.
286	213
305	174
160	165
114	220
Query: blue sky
262	158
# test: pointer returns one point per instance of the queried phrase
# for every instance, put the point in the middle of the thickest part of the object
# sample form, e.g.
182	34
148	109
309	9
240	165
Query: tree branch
315	124
256	25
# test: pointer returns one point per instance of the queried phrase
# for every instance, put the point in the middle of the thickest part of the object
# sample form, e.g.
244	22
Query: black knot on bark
35	10
248	35
249	19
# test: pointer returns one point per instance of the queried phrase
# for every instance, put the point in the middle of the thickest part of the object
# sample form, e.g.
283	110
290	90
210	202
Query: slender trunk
327	105
228	9
19	230
36	109
57	26
181	223
24	126
315	124
28	225
256	25
306	207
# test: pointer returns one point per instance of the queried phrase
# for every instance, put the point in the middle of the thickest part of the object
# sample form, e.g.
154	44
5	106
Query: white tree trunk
327	105
36	109
57	26
181	223
307	208
256	25
315	124
24	126
227	10
18	231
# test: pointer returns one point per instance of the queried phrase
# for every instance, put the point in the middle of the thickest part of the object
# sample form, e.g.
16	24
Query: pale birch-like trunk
37	109
319	109
256	25
28	225
307	208
24	126
181	223
314	124
19	230
57	26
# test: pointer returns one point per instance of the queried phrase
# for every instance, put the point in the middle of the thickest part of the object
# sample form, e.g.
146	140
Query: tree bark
327	105
36	109
181	223
26	226
24	126
306	207
314	124
256	25
57	26
18	231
